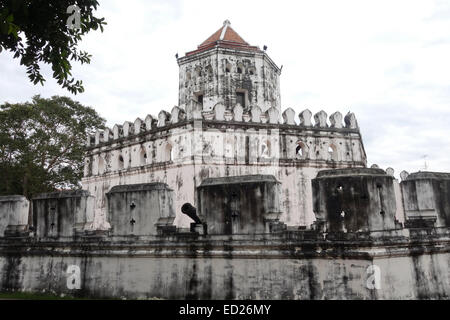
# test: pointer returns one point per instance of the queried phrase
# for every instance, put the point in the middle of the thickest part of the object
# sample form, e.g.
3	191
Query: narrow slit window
121	162
299	151
240	98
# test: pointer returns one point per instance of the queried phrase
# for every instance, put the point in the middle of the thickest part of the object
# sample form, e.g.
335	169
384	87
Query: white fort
228	122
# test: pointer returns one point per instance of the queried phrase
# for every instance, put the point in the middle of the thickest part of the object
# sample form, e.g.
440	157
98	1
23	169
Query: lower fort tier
237	246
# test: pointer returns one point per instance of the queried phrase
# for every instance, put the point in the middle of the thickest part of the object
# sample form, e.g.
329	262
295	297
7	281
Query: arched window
332	152
240	98
227	67
300	150
239	70
188	76
120	162
199	98
142	157
168	153
87	168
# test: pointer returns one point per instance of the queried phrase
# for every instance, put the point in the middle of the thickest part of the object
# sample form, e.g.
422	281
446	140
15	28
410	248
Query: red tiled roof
230	35
227	38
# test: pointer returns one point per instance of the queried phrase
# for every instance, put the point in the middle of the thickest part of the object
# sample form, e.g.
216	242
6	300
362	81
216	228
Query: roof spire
225	37
226	24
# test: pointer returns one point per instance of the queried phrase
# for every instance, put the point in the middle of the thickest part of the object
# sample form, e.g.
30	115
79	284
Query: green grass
35	296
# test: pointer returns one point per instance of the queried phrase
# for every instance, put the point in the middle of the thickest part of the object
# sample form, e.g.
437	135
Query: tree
43	31
42	144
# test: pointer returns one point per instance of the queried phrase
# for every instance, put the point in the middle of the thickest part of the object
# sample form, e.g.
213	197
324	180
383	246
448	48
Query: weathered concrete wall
14	212
139	209
426	197
239	205
355	200
367	259
62	214
242	270
420	276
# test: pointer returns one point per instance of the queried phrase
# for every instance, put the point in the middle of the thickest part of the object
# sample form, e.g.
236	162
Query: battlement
239	136
249	116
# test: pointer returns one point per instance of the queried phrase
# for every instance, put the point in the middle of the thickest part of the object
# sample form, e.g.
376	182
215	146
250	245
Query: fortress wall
422	276
370	259
124	276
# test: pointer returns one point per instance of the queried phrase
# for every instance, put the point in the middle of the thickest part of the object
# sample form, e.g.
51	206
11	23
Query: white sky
387	61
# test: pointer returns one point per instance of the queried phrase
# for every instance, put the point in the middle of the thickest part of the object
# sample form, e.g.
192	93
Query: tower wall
219	74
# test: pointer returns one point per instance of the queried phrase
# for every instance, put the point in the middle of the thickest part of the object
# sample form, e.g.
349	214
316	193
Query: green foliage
42	144
36	32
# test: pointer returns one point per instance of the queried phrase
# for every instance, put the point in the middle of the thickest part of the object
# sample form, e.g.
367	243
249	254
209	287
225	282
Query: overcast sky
387	61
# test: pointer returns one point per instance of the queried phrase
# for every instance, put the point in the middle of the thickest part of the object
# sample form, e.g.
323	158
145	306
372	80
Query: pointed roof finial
226	24
225	37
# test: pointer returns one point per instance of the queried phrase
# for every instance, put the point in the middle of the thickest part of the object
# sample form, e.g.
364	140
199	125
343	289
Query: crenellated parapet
252	115
178	136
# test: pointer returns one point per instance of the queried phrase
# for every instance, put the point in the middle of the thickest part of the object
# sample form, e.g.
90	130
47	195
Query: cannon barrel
191	212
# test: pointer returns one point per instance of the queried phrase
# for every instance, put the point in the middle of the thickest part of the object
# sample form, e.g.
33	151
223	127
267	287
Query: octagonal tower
226	69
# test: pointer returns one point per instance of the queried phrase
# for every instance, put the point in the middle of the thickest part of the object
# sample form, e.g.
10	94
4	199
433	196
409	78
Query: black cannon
191	212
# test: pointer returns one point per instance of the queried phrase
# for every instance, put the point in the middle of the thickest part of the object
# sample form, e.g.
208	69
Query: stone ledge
425	175
62	194
12	198
139	187
238	180
352	172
